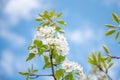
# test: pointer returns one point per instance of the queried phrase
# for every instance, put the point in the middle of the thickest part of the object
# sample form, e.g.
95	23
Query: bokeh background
85	32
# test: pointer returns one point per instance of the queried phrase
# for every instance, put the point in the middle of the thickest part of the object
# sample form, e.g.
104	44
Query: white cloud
14	39
16	9
23	9
81	36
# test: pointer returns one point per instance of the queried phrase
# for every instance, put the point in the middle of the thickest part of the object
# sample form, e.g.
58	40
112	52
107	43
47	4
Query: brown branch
105	72
52	66
115	57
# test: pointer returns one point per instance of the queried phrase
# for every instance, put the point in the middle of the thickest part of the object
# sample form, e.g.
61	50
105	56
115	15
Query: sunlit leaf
115	17
31	56
106	49
110	26
117	35
110	32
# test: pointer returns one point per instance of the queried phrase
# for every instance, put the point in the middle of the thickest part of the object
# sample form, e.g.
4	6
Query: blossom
71	66
46	31
59	42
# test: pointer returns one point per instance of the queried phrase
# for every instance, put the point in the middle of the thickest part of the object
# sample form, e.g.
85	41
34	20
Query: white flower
46	31
72	66
60	43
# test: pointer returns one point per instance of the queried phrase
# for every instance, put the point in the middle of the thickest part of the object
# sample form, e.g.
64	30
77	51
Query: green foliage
31	56
115	18
106	50
110	32
69	76
62	23
29	72
103	63
51	19
110	26
59	74
114	29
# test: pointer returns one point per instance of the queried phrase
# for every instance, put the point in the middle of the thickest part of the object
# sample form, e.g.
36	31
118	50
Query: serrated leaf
110	26
62	23
110	32
31	56
117	35
115	17
106	49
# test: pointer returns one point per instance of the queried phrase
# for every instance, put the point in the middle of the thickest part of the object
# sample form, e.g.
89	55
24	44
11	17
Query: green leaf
37	42
46	59
31	47
59	59
106	49
58	29
35	70
103	63
110	26
69	77
58	15
109	60
110	65
91	61
117	35
46	15
47	65
23	73
110	32
99	57
38	19
59	73
62	23
94	58
52	13
31	56
115	17
54	53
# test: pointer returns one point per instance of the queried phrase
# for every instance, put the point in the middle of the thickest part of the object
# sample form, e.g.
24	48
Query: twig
52	66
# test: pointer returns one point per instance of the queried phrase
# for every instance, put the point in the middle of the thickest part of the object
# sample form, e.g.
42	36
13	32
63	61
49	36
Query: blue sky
85	32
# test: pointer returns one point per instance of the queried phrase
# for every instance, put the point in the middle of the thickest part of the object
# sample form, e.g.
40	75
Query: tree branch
52	66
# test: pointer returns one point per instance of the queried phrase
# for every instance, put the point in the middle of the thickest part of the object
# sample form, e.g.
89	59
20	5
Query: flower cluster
48	36
69	66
